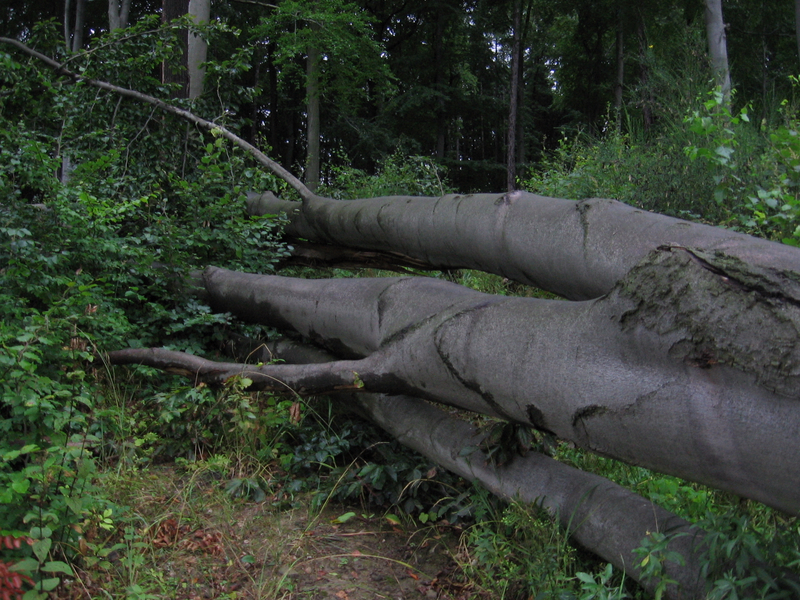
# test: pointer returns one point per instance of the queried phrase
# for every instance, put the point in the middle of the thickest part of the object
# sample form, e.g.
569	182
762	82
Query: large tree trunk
578	250
689	365
596	513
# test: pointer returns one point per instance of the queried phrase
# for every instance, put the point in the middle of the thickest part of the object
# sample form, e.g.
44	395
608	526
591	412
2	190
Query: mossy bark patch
723	310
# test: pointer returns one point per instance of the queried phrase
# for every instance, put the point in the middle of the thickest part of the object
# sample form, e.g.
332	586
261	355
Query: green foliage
514	551
648	173
101	263
735	174
346	460
744	558
397	175
601	586
655	554
47	467
775	208
715	126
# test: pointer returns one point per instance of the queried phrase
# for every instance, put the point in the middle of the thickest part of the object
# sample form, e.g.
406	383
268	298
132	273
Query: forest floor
187	539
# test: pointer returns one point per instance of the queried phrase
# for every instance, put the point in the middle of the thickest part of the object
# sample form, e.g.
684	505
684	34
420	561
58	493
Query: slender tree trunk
77	33
118	14
620	79
68	29
439	63
644	73
718	46
521	100
797	24
274	98
313	65
73	39
197	50
511	152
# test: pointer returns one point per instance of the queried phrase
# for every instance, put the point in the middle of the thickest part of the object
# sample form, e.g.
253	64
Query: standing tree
319	43
516	58
718	46
197	47
118	11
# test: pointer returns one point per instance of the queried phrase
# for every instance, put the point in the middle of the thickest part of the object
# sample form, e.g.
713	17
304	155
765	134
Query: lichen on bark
722	311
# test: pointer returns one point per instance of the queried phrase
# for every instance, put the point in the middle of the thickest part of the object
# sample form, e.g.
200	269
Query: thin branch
326	378
262	158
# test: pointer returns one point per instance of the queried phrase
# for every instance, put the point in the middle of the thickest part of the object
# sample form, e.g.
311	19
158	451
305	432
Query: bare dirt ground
188	541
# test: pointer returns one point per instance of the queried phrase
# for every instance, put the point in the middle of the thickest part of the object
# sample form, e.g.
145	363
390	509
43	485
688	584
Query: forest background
107	202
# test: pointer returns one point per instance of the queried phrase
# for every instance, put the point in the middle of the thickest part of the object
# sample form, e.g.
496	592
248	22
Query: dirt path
195	543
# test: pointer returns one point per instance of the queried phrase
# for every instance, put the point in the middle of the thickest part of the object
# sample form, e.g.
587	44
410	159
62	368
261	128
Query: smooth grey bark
718	46
578	250
197	49
689	366
74	37
118	11
595	513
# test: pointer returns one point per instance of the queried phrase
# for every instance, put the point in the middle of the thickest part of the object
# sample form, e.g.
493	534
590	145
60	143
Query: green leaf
585	577
57	566
344	518
48	585
21	486
26	564
41	548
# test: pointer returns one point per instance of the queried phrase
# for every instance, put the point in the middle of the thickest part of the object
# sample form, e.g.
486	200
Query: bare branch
327	378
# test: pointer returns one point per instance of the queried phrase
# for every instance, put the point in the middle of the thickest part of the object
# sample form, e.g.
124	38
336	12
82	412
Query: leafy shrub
99	263
397	175
347	459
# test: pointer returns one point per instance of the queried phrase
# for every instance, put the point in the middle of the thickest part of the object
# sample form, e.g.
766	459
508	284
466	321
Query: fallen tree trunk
689	366
598	515
578	250
595	513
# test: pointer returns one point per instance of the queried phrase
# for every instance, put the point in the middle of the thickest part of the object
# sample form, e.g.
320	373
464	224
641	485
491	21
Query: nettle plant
775	206
715	126
757	179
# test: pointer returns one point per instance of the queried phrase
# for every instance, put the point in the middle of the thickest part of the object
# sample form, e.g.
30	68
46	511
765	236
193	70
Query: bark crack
455	372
